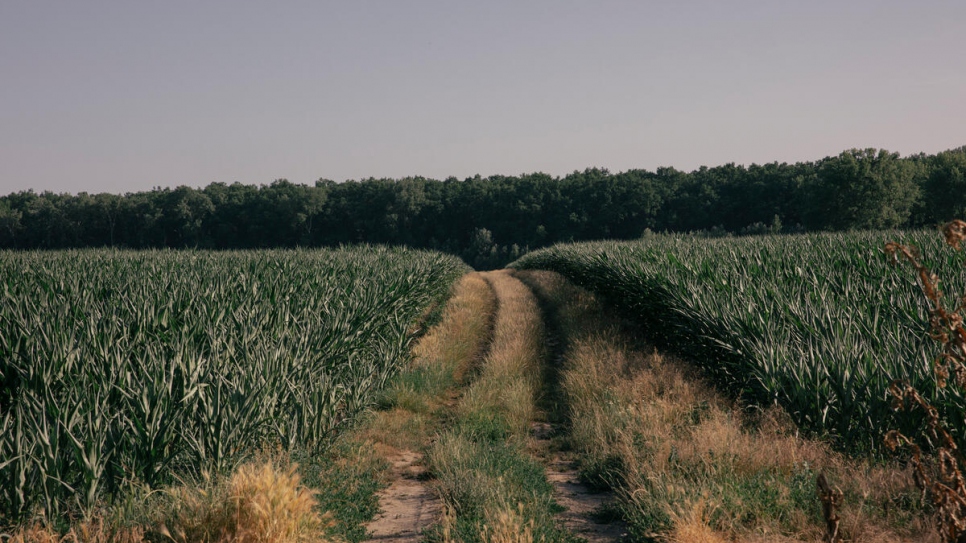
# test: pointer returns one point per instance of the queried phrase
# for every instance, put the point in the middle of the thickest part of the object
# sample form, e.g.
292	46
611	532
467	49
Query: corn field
818	324
122	367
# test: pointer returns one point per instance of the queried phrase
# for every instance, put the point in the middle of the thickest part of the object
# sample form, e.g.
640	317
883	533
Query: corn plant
121	367
819	324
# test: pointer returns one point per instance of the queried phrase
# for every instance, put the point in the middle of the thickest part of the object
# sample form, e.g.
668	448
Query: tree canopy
491	220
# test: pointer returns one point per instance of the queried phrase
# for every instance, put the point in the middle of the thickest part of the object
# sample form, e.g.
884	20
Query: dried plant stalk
942	479
831	498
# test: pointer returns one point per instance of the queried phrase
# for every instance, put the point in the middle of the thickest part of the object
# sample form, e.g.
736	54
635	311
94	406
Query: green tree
945	187
9	224
184	211
108	208
866	189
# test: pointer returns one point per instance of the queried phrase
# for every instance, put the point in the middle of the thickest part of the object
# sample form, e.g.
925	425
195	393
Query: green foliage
819	324
134	366
866	189
491	221
945	187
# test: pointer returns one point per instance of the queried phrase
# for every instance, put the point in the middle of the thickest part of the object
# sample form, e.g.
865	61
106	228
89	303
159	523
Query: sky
122	96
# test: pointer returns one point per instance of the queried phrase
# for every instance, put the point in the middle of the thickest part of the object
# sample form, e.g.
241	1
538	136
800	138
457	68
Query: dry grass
258	504
691	525
83	532
397	427
692	467
508	525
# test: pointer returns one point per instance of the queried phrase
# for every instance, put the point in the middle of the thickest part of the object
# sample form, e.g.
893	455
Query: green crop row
136	367
819	324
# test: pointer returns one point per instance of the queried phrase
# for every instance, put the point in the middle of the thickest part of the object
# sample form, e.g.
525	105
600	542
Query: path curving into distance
510	378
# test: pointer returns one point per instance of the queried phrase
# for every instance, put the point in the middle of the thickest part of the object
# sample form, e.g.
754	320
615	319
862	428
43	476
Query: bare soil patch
585	511
409	505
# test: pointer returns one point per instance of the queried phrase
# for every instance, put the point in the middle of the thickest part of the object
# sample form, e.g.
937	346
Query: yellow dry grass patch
258	504
691	525
396	428
83	532
507	525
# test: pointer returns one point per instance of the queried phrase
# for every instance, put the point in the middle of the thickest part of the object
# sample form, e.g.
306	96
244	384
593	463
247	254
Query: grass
345	481
691	466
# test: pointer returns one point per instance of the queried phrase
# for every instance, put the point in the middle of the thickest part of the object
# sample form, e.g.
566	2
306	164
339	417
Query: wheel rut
587	513
408	505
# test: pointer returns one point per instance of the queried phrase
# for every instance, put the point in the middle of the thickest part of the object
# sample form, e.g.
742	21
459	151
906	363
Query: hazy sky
127	95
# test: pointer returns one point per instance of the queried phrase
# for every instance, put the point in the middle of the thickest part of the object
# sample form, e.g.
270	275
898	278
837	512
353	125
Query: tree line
490	221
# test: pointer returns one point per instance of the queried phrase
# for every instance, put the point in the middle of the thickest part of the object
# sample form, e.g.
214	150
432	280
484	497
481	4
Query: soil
585	510
408	505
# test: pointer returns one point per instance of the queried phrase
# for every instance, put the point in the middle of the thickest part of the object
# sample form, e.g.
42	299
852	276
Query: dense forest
490	221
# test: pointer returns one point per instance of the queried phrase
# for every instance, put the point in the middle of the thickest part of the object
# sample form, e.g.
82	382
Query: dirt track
410	505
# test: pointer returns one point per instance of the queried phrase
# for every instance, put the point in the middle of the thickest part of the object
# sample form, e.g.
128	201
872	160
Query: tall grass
119	368
819	324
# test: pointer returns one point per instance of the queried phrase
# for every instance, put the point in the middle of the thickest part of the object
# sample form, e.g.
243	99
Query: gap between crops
492	487
486	426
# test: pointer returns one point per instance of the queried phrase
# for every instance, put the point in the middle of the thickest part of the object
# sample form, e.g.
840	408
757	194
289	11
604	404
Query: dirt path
585	511
408	505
